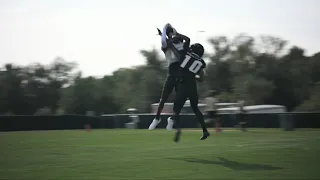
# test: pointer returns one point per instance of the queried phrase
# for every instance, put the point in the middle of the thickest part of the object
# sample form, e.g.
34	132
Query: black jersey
191	64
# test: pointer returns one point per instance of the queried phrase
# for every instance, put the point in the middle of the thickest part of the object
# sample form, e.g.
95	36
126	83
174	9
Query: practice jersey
170	55
191	65
173	59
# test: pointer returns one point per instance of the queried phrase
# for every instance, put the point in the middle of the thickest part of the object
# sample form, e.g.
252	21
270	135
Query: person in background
210	108
242	116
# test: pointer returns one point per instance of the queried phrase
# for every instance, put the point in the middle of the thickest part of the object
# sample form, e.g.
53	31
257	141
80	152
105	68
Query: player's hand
159	32
198	78
168	25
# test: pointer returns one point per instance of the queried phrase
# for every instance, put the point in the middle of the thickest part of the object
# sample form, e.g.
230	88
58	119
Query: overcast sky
104	35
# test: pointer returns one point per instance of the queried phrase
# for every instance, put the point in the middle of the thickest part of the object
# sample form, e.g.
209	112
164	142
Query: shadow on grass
234	165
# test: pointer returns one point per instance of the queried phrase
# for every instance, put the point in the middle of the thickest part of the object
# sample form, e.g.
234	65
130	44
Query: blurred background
70	57
96	67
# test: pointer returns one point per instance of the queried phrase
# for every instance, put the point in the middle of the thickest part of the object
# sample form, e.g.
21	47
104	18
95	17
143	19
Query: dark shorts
174	68
171	81
168	86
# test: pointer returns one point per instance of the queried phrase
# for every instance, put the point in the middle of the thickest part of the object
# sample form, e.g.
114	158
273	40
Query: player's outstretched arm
186	39
164	35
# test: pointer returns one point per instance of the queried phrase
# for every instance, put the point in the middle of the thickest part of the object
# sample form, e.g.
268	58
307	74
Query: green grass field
142	154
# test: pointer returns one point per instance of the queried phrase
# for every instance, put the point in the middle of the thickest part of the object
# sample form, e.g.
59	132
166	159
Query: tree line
258	70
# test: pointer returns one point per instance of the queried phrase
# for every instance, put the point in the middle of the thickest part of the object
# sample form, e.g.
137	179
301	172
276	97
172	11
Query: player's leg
193	97
170	120
167	89
177	107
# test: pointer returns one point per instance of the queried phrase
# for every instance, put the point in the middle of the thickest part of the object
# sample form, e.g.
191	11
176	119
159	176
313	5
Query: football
169	30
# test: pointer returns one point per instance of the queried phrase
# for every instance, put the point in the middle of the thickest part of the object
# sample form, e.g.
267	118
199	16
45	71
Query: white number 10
195	66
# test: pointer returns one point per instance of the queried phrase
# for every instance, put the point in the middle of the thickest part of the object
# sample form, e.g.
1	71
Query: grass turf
142	154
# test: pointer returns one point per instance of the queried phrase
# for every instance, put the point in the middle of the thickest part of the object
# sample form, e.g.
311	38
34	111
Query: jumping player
192	65
179	42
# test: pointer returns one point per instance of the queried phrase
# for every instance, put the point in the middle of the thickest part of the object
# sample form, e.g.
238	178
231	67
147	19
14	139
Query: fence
24	123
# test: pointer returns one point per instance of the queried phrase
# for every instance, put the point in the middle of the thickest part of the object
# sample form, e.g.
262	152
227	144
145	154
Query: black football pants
187	91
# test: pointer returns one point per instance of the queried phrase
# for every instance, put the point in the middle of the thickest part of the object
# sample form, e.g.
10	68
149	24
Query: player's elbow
187	39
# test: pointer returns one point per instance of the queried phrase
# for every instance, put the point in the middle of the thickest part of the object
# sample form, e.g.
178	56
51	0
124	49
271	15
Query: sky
103	35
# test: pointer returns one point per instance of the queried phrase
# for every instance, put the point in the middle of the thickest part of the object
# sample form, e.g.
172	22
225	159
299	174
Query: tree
315	68
218	70
313	103
257	70
12	93
153	60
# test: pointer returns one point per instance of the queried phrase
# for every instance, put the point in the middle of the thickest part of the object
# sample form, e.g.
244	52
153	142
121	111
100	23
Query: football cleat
154	124
170	124
205	135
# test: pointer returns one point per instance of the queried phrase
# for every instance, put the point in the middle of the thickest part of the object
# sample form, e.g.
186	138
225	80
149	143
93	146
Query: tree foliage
257	70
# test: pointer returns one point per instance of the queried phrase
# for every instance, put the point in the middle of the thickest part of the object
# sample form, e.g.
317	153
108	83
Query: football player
191	66
180	42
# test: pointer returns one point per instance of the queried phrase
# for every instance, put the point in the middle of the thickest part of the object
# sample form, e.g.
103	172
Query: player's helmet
197	49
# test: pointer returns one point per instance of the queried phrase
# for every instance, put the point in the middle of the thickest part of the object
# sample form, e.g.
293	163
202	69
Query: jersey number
195	66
